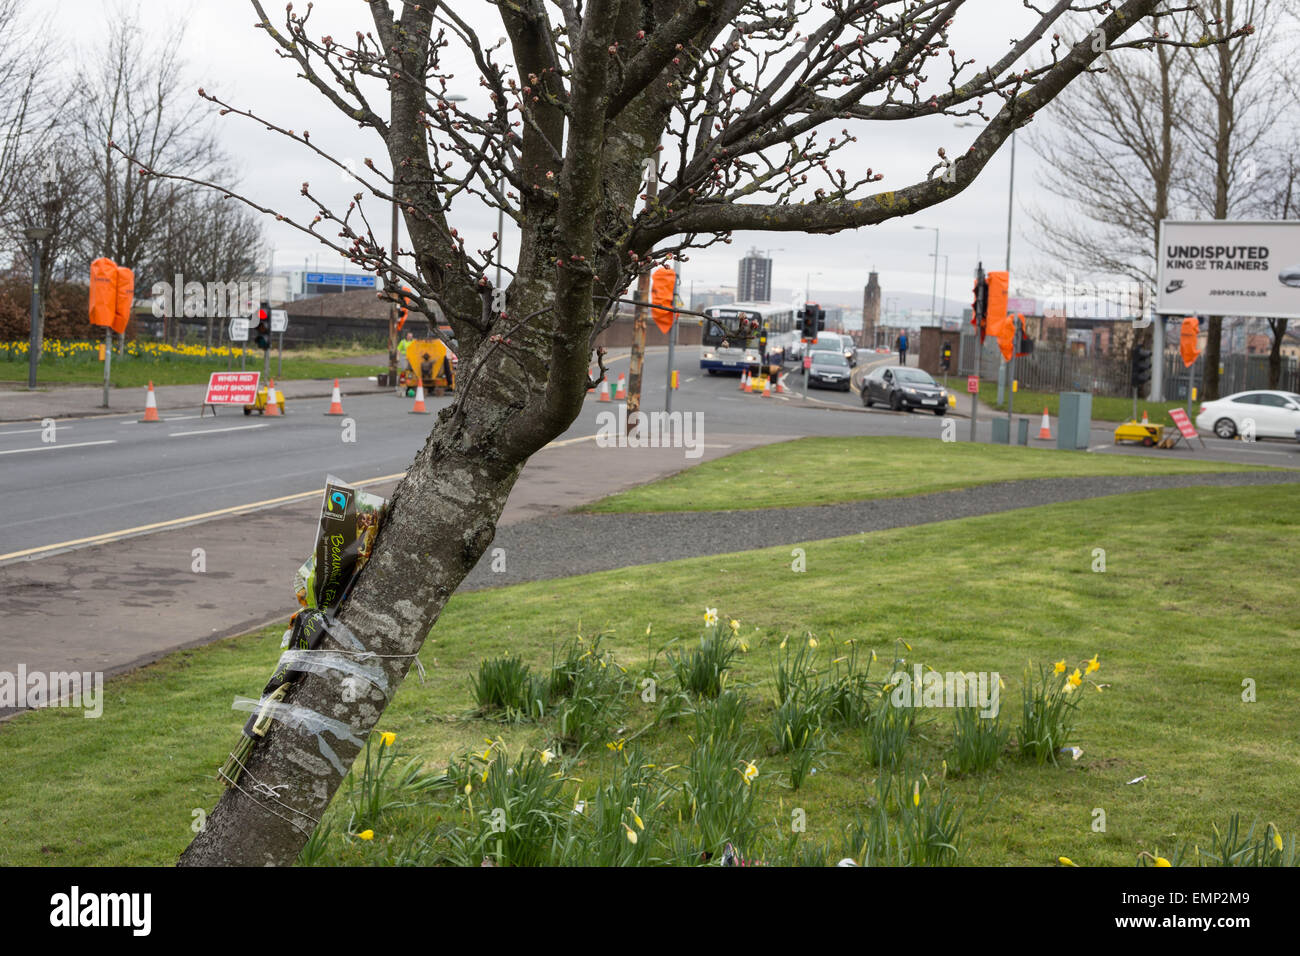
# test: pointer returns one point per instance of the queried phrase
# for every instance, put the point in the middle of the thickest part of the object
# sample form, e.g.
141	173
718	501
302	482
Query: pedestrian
902	348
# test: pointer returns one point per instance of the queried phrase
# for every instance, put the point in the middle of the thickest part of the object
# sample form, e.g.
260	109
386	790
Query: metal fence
1053	370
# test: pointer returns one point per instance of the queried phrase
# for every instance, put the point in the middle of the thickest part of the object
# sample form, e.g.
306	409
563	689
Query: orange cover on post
103	291
124	300
663	283
1187	341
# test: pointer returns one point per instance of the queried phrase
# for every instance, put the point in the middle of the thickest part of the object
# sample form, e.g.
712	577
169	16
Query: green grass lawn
134	372
1197	596
1105	408
818	471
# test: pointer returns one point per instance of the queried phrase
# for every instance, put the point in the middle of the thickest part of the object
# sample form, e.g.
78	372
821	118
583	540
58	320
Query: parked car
904	388
1273	414
829	368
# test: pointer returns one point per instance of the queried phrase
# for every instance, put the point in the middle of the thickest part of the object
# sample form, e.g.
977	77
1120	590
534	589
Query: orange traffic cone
418	408
1145	421
767	388
749	383
272	406
604	391
150	407
744	381
620	393
336	401
591	376
1046	431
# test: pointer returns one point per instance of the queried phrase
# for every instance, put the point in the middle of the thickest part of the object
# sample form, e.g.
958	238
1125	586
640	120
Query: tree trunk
442	518
1278	328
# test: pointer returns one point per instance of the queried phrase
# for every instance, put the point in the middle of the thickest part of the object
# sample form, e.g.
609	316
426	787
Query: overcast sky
227	55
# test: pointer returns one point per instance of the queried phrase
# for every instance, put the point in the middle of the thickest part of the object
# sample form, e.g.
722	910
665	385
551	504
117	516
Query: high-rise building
754	284
870	309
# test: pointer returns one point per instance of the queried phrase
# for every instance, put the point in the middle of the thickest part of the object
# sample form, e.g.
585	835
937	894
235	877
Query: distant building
870	308
701	300
754	283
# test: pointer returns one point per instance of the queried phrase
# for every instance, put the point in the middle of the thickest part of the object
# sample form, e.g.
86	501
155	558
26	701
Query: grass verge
818	471
1195	599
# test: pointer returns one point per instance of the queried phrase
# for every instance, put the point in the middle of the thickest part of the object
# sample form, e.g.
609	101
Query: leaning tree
736	108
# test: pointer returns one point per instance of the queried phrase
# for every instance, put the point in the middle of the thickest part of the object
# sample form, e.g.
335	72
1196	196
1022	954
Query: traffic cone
620	393
767	388
150	407
272	406
744	381
604	391
418	408
1046	431
591	377
336	401
1145	421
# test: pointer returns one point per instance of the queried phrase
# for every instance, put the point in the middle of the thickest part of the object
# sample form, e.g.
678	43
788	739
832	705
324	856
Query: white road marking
213	431
79	444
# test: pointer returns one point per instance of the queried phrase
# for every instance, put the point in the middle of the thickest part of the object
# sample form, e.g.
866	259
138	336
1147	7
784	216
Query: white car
1263	413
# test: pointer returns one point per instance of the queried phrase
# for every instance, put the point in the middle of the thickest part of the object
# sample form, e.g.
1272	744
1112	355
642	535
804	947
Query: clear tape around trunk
342	662
306	720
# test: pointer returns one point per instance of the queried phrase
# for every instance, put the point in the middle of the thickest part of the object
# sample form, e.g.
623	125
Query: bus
741	336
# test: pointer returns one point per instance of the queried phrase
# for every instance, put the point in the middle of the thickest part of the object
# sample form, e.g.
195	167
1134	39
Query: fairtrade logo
335	505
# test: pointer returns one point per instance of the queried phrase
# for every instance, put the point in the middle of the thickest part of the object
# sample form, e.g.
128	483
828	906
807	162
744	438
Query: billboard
1225	267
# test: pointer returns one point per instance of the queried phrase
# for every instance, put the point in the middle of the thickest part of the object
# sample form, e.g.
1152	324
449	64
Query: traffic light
1140	376
263	339
946	361
980	307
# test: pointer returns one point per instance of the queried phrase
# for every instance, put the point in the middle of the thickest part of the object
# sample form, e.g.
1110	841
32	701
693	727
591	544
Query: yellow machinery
442	366
1142	432
260	405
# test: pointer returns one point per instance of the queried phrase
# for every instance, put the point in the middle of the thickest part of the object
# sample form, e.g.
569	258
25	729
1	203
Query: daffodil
631	834
750	774
710	617
916	794
1092	664
734	625
1277	838
812	642
1161	861
388	737
547	756
1074	680
616	744
366	835
1058	667
1066	861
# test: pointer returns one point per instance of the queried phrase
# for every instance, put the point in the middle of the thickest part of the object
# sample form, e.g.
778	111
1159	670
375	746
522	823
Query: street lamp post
35	237
934	282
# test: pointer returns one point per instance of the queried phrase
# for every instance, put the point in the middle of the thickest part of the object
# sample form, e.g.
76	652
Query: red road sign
973	384
1184	424
232	388
807	361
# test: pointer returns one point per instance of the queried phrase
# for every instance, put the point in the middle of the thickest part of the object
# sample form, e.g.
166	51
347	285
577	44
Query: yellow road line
177	522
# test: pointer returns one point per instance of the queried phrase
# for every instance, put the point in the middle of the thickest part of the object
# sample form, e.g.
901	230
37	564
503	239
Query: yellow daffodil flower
631	834
710	617
1058	667
1161	861
547	756
1066	861
1074	680
916	794
388	737
366	835
751	772
812	642
734	625
1092	664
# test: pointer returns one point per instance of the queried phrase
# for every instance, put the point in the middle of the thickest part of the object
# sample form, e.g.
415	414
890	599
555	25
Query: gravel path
571	544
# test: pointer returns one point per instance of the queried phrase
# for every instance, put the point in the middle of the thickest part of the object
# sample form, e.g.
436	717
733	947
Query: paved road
110	474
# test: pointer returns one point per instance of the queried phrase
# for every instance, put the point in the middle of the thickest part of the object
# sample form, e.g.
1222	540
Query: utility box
1001	430
1022	431
1074	427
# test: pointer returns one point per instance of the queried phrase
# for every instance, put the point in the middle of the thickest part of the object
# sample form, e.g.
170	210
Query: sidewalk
76	401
